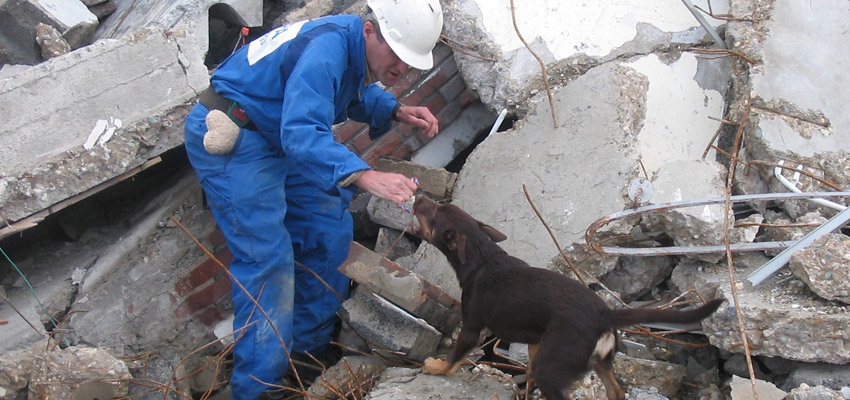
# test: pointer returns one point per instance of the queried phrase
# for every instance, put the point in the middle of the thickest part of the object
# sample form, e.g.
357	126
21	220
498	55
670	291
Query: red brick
413	98
360	142
401	152
467	97
454	87
203	298
384	145
348	130
435	103
204	272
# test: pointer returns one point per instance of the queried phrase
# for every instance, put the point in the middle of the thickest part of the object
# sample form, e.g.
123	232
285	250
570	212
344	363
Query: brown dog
567	327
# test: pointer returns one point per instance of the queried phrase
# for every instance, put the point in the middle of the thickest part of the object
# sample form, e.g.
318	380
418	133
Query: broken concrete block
393	244
50	41
832	376
435	181
79	372
389	327
478	384
780	320
638	372
742	389
635	276
389	214
825	267
405	289
806	392
691	226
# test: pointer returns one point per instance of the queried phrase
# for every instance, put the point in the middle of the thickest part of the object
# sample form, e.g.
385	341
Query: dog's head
448	227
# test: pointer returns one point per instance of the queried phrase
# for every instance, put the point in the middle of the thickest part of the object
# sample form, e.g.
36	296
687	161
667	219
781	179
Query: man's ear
369	29
494	234
456	242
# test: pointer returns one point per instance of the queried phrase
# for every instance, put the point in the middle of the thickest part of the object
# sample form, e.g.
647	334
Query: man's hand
387	185
419	116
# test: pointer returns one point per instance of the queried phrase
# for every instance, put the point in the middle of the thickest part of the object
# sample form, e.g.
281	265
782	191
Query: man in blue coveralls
281	192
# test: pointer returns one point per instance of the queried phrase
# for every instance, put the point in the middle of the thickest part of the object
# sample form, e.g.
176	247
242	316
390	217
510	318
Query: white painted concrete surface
678	123
806	63
591	27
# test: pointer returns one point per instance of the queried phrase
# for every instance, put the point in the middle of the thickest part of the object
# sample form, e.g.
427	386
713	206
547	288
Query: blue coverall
276	196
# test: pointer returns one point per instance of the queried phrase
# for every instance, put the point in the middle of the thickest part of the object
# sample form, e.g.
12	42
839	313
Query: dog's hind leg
532	352
562	359
603	364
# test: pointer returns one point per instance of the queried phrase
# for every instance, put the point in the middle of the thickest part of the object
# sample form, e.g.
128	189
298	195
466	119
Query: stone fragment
78	372
389	214
690	226
825	267
635	276
103	9
806	392
478	384
50	41
742	389
388	327
403	288
833	376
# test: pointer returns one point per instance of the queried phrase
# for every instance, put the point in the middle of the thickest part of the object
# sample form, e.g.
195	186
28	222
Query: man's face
381	59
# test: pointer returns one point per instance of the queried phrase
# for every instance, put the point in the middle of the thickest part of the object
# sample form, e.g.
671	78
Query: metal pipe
770	267
655	251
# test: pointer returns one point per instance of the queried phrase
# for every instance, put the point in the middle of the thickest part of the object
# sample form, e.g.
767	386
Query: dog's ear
456	242
494	234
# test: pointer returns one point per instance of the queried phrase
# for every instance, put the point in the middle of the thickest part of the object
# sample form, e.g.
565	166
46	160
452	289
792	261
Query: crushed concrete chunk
478	384
742	389
691	226
825	267
78	372
780	319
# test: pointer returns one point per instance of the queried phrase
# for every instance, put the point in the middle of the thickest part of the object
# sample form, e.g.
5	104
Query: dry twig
729	260
542	65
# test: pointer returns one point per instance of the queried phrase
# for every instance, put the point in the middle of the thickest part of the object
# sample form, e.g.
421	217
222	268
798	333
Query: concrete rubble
639	93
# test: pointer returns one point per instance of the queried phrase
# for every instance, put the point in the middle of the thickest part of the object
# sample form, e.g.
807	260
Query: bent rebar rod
736	247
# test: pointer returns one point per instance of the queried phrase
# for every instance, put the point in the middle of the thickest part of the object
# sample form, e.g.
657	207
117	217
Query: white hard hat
410	27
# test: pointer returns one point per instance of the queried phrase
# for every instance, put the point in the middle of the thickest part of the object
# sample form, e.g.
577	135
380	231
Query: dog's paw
435	366
222	133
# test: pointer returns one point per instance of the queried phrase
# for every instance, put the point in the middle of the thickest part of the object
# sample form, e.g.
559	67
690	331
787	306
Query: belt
214	101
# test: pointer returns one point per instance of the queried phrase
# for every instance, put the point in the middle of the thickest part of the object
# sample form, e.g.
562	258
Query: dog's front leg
466	342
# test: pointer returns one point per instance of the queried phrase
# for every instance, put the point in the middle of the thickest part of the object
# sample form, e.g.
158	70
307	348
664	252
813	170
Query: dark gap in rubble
457	163
112	207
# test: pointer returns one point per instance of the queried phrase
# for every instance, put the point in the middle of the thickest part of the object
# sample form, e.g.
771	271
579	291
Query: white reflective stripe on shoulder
268	43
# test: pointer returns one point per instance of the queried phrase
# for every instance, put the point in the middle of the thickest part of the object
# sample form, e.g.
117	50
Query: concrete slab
569	38
804	63
780	319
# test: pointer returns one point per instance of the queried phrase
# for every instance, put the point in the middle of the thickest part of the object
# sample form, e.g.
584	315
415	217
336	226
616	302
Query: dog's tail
631	316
